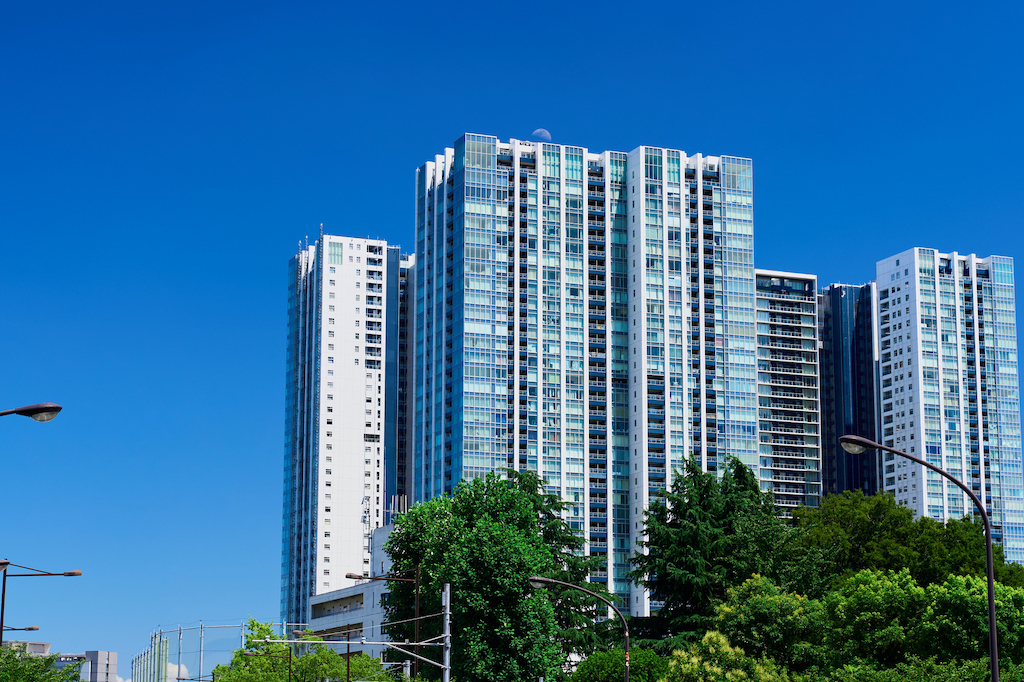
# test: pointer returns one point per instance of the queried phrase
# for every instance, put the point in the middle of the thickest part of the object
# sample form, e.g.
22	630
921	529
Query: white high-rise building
947	338
342	330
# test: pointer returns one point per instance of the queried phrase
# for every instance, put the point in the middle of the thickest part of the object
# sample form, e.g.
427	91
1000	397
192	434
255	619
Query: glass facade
560	297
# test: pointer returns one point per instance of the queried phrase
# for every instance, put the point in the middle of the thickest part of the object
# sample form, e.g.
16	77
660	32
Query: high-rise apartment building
588	316
340	412
849	385
788	398
948	370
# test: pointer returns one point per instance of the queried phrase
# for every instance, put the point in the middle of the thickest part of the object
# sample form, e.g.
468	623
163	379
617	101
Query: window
330	295
330	308
356	360
327	533
332	282
357	335
331	334
332	269
327	571
357	259
330	320
357	274
350	257
330	396
357	349
330	358
357	321
327	510
357	297
328	472
358	285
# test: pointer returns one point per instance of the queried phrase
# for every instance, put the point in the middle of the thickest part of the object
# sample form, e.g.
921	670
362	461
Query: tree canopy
17	665
486	540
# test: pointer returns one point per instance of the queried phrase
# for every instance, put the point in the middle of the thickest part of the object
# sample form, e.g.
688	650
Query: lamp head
856	445
354	576
72	574
41	412
537	582
32	627
4	563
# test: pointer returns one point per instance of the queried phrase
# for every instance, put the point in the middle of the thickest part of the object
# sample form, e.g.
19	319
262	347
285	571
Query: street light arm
537	581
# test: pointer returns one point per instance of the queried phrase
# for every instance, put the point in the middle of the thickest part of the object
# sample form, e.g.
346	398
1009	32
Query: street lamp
30	627
253	653
416	620
537	582
856	445
37	573
41	412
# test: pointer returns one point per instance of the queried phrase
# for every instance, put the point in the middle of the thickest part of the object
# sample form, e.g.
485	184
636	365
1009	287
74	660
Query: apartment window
327	559
329	434
330	320
330	308
350	257
330	295
330	358
327	533
327	571
326	546
357	297
356	360
328	472
357	274
332	282
357	311
330	335
358	260
357	285
330	396
357	349
332	269
357	335
327	510
357	321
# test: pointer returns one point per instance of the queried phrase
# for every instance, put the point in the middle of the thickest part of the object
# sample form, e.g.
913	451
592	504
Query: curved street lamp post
856	445
538	582
4	564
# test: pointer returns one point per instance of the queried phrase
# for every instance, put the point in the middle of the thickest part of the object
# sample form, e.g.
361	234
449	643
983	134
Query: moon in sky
542	134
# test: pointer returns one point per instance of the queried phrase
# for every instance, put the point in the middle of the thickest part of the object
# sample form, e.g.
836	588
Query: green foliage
16	665
610	666
707	536
763	620
873	617
311	662
486	540
853	532
714	660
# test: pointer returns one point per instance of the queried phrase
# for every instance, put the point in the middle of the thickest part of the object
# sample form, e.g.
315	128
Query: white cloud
121	679
173	672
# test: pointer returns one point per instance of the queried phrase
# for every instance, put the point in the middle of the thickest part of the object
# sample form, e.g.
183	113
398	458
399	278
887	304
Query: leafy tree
486	540
955	624
764	620
17	665
312	662
610	666
706	537
852	532
714	660
873	617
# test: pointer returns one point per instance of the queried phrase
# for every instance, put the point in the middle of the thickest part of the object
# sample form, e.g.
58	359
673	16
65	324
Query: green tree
852	532
764	620
714	660
486	540
707	536
17	665
610	666
311	662
955	624
874	617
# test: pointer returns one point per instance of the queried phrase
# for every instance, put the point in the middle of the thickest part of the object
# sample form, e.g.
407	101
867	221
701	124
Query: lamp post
4	564
253	653
856	445
537	582
30	627
416	621
41	412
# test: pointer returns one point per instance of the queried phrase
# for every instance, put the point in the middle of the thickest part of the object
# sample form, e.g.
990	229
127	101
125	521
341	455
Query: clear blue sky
160	161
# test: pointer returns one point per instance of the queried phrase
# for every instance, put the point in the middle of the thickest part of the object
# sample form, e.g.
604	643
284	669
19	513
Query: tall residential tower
588	316
342	332
947	338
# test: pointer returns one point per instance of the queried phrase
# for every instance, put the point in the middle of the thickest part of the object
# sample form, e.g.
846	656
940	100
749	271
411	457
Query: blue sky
159	163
